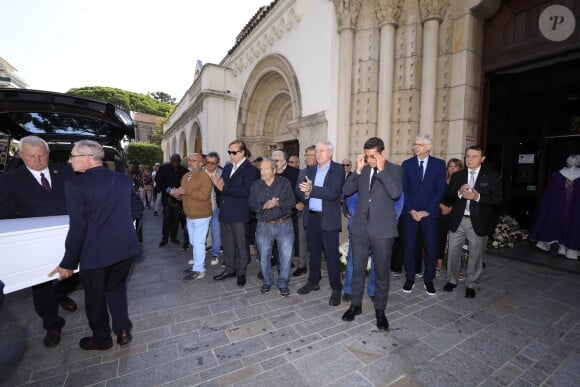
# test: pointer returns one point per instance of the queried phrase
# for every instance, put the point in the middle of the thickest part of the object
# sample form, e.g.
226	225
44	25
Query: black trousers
170	219
317	241
234	238
399	250
107	287
45	298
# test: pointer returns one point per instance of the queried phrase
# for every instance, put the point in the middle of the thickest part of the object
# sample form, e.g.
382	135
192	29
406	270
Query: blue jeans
283	234
216	240
348	274
197	230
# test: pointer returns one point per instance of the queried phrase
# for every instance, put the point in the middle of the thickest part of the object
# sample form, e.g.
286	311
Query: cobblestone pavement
522	329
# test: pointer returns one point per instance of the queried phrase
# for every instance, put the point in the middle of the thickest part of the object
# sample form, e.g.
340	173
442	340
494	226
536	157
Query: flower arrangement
506	232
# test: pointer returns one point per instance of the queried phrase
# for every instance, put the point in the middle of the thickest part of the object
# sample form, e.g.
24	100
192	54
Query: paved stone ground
522	329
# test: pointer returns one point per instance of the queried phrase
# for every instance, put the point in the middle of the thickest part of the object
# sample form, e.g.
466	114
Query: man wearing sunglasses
234	186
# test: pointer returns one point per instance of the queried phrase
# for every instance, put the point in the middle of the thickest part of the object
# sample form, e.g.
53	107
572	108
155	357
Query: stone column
388	12
431	15
346	14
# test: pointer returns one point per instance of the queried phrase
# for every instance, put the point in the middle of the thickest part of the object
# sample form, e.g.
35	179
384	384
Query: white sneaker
190	262
214	261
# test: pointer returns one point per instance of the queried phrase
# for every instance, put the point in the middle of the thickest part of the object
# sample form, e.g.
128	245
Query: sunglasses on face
211	162
346	165
233	152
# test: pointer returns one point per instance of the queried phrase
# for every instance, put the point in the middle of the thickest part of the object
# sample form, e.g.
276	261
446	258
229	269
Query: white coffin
29	249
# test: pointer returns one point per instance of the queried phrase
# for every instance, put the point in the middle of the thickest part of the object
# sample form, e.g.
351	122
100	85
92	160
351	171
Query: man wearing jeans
272	199
212	168
195	194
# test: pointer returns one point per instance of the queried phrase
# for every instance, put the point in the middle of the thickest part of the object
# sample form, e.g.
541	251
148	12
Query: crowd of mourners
412	219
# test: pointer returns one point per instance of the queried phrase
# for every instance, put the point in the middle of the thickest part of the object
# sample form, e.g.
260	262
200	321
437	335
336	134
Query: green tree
163	97
158	132
127	100
144	153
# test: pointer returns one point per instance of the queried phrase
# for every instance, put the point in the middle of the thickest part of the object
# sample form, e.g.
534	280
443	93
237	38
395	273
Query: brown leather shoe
68	304
90	343
124	337
52	338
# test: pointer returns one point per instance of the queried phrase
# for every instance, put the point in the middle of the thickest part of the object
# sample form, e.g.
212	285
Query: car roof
58	117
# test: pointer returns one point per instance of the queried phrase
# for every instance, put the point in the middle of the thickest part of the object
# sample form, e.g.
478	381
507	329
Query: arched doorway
271	99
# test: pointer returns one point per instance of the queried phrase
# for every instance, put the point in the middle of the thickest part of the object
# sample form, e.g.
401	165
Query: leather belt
315	212
283	219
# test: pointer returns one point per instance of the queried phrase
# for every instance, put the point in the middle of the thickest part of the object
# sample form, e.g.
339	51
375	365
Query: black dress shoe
469	293
310	286
449	287
241	280
124	337
335	298
52	337
163	243
382	322
298	272
351	312
68	304
223	276
90	343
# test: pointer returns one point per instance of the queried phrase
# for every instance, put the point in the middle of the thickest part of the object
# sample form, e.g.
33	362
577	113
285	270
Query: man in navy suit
37	189
234	186
473	193
322	191
424	187
102	241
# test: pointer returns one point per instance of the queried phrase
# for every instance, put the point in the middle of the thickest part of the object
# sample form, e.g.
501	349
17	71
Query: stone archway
194	139
270	100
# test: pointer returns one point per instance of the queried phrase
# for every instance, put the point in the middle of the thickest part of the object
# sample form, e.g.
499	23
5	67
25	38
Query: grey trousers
477	246
303	253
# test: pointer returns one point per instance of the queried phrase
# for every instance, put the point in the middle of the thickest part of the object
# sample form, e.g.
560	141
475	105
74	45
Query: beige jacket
197	197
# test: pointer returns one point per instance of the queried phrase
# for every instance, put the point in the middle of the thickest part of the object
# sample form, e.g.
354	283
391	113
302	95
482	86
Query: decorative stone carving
347	12
388	11
432	9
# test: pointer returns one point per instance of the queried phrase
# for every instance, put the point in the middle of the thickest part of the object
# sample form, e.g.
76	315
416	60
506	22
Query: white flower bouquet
506	233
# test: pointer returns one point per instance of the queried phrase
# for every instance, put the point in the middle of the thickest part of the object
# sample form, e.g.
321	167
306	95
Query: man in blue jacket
424	187
102	241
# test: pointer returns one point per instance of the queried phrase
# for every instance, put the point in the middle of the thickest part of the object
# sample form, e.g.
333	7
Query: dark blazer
21	196
101	231
330	193
375	214
488	184
290	173
233	198
424	195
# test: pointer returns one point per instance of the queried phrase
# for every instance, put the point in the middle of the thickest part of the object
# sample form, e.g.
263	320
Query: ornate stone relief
347	12
432	9
388	11
269	30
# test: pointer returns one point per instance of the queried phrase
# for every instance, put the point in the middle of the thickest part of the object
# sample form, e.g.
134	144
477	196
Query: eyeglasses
211	162
70	156
419	144
233	152
310	155
346	165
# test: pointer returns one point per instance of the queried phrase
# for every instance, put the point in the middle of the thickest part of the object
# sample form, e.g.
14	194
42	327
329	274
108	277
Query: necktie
373	177
471	184
44	182
421	170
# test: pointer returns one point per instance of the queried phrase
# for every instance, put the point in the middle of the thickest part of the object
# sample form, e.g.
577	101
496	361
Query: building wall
313	70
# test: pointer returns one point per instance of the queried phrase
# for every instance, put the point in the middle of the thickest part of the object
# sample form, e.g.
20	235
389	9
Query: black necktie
44	182
374	177
421	170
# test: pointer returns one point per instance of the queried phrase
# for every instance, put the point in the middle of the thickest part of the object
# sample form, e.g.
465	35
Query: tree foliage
127	100
163	97
144	153
158	132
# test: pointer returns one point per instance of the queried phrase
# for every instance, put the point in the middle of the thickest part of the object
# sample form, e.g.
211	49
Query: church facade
346	70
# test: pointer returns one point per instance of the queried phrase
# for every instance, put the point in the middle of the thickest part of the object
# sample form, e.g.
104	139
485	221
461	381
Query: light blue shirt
315	204
425	162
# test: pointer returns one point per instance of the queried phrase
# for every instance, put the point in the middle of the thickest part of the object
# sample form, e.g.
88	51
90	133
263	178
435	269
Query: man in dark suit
379	184
424	187
168	177
473	193
101	241
234	186
322	191
37	189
